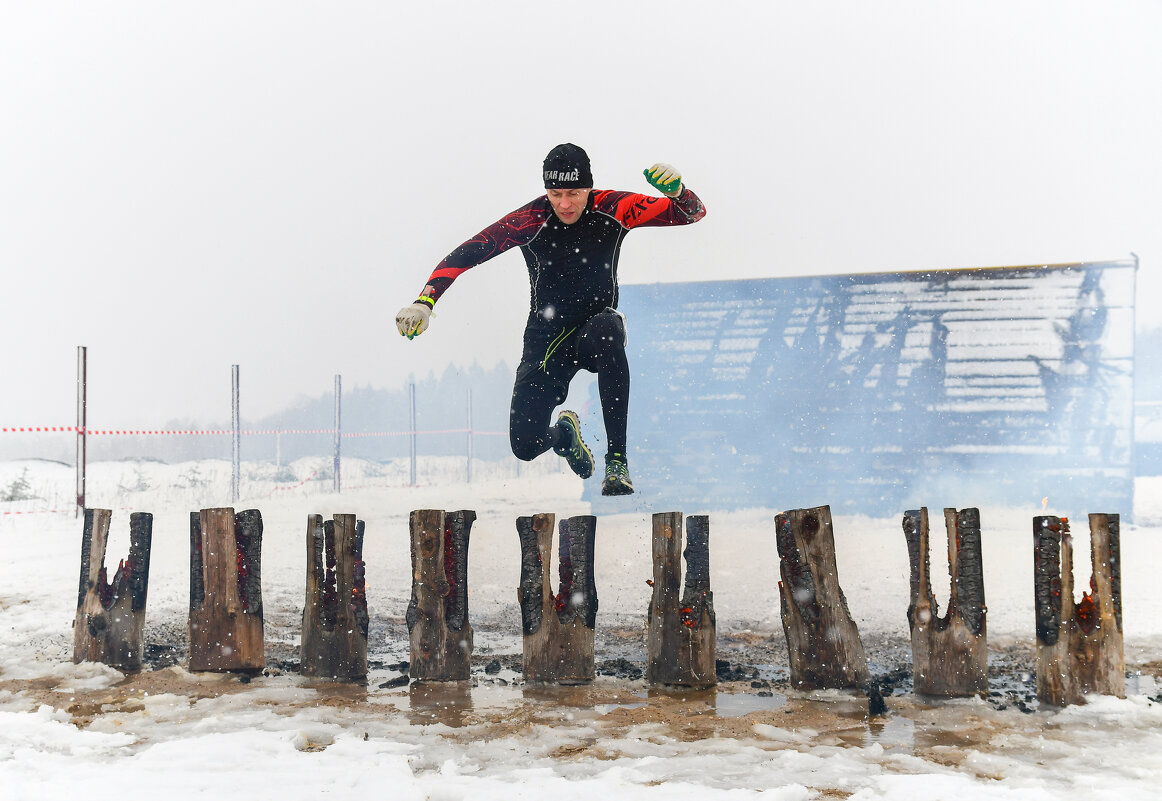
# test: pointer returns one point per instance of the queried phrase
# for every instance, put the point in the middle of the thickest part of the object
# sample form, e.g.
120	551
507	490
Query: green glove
665	178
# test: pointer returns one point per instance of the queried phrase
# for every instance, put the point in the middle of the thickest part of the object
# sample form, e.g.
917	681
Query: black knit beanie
567	167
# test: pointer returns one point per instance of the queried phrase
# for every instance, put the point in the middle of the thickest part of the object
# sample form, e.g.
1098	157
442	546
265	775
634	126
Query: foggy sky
186	186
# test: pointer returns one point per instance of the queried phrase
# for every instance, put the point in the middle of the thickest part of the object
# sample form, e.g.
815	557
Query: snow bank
68	728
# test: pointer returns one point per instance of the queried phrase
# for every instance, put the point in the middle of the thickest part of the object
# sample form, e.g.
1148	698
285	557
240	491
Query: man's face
568	203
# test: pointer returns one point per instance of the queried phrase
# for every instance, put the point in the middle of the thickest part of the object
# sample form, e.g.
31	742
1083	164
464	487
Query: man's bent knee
603	341
527	448
608	328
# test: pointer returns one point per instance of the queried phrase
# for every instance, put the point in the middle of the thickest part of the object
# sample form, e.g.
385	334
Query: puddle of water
577	695
352	692
723	705
439	702
735	705
697	700
584	701
771	672
605	709
895	734
1141	684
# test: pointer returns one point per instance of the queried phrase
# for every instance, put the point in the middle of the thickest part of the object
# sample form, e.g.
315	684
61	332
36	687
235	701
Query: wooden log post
823	643
681	640
110	622
335	620
226	625
558	629
949	653
437	616
1079	646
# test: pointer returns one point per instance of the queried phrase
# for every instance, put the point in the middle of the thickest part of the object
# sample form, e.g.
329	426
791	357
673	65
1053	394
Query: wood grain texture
681	624
335	617
440	635
949	653
823	642
110	621
558	629
1080	647
226	622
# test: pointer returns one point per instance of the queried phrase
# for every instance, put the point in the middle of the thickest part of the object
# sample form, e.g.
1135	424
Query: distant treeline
441	403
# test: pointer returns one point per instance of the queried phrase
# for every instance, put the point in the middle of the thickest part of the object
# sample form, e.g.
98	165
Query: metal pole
338	429
469	435
82	403
1134	364
412	417
235	423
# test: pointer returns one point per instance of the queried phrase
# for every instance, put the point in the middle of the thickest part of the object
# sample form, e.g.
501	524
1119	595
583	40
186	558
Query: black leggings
599	347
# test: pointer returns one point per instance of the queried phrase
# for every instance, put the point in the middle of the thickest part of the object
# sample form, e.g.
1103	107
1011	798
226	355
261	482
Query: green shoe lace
617	480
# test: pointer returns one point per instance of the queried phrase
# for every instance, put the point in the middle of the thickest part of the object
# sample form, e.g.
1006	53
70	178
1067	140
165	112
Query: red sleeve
635	211
512	230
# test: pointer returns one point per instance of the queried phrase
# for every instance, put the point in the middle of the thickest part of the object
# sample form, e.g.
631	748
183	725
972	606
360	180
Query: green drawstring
556	343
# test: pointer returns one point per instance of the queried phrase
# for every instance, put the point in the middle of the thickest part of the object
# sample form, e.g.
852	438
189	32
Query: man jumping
570	237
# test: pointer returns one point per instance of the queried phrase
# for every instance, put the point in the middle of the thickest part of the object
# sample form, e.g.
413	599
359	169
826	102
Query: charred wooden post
335	620
1079	646
226	625
950	653
558	630
110	621
823	642
437	617
681	643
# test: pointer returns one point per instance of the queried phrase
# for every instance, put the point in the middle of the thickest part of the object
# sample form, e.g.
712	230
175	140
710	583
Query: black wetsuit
572	324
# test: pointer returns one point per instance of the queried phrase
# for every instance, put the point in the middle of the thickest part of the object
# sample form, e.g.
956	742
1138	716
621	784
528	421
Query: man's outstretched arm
678	206
513	230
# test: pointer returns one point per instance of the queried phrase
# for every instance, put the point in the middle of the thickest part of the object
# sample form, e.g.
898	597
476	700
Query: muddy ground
753	689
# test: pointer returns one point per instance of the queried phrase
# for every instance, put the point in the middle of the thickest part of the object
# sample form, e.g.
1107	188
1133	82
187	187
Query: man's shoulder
611	198
534	212
539	205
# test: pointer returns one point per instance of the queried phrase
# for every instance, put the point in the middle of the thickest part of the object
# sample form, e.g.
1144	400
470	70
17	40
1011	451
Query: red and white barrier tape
223	432
40	512
60	511
475	433
104	431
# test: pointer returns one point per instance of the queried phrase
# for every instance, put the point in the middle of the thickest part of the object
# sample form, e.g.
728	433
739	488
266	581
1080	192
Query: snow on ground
87	728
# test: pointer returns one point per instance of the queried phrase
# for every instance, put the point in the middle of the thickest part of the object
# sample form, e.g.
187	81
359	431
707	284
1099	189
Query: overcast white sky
190	185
